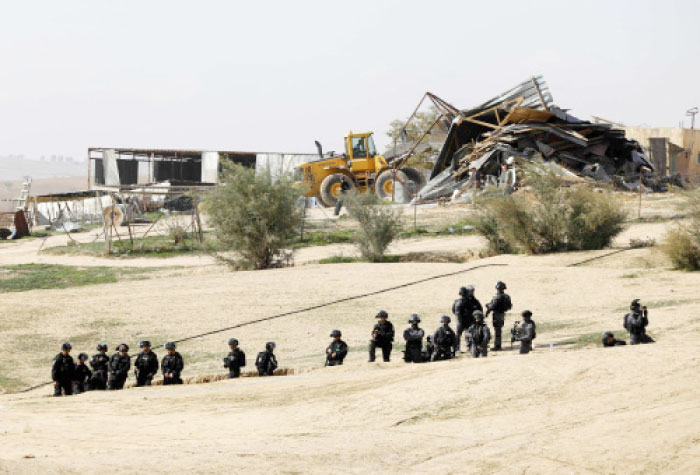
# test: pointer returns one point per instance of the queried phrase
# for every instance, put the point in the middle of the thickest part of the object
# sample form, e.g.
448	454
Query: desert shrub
551	218
255	216
378	225
682	243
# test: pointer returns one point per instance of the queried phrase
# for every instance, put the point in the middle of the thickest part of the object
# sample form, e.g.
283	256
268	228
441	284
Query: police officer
100	368
235	359
119	365
82	374
63	371
610	340
429	350
499	305
636	323
266	362
382	337
463	309
526	333
172	365
478	336
146	364
445	340
414	340
337	350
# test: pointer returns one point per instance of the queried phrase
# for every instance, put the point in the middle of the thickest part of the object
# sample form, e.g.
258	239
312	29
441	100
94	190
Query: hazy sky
275	76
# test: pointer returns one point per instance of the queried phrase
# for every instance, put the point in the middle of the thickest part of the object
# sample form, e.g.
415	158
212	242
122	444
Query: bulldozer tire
385	184
331	187
416	177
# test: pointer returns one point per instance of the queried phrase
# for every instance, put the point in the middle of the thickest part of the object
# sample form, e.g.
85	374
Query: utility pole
691	113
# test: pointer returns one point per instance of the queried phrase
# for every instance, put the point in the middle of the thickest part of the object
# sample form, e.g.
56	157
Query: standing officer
63	371
382	337
82	374
266	362
100	368
445	340
478	336
337	350
636	323
499	305
119	365
235	359
172	365
526	333
463	309
414	340
146	364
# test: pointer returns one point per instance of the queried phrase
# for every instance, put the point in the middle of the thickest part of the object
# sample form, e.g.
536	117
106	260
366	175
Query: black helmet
382	314
501	285
144	343
634	304
526	314
336	333
66	346
414	318
232	341
102	346
270	345
463	291
607	335
445	319
82	357
123	347
478	314
170	345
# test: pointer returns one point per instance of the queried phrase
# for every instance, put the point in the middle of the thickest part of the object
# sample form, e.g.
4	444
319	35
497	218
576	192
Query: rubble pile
525	123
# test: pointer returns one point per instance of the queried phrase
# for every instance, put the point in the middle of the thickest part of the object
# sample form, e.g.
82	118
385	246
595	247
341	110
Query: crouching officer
499	305
610	340
463	309
82	374
100	368
146	364
172	365
266	362
478	336
636	323
445	340
414	341
235	359
119	365
526	333
382	337
63	371
337	350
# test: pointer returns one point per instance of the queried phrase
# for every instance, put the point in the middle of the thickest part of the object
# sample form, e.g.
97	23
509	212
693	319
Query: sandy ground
562	409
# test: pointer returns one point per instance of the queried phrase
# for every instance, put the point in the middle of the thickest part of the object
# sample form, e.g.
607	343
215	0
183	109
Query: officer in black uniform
266	362
478	336
526	333
63	371
172	365
499	305
100	368
382	337
445	340
337	350
428	351
636	323
145	365
82	374
414	341
235	359
463	309
119	365
610	340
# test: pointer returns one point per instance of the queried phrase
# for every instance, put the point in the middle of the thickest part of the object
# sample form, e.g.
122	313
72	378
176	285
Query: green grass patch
9	384
24	277
595	338
150	246
324	238
546	327
660	304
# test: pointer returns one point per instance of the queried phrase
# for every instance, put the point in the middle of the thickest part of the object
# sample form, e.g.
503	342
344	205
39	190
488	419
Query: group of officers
111	372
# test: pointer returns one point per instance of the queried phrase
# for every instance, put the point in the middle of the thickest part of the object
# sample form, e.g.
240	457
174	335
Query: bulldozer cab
358	146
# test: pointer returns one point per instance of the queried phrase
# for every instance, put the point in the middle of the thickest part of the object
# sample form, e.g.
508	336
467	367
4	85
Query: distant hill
13	168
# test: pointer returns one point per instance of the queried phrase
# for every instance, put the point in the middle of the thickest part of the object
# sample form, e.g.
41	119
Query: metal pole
639	212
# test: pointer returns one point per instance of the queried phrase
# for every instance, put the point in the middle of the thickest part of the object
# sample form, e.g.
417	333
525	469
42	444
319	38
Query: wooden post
199	221
639	212
303	218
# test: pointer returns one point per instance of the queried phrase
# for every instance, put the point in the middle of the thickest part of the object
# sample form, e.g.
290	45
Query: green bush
378	225
682	243
255	216
551	218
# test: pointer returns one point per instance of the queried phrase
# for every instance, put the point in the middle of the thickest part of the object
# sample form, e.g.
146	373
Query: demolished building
524	122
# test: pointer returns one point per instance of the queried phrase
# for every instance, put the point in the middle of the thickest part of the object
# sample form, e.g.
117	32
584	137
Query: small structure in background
674	151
